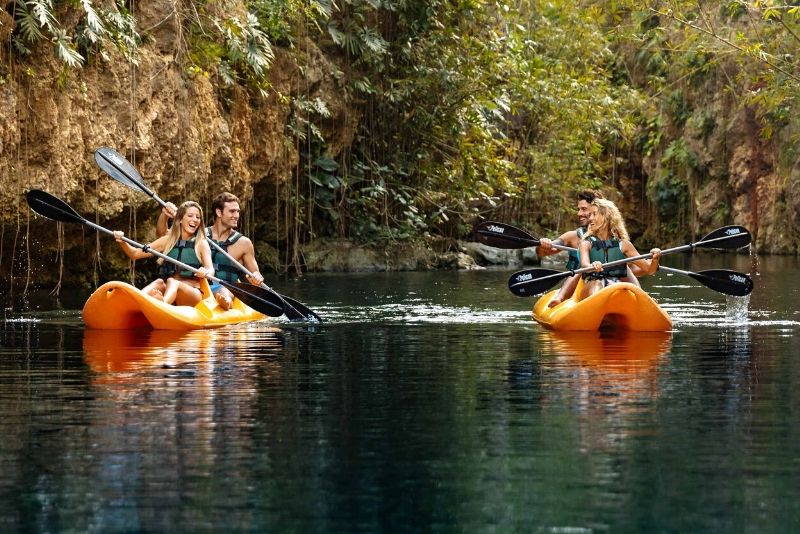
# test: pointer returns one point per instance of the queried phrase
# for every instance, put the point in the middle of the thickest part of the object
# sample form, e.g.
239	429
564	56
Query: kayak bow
622	306
117	306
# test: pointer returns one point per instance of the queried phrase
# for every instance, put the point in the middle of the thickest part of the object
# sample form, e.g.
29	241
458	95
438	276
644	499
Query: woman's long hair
613	222
174	234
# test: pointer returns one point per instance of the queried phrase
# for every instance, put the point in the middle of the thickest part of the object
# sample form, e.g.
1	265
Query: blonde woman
185	242
607	240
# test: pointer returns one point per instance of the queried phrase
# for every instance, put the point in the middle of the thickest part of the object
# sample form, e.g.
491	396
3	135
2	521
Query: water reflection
614	377
171	407
453	412
129	350
113	351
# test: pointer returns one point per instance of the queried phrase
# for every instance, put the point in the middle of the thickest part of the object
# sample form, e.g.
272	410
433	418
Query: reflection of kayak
125	350
621	305
614	375
114	351
624	350
117	306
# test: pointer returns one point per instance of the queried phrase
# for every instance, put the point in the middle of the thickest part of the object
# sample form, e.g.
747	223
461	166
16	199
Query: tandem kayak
622	306
119	306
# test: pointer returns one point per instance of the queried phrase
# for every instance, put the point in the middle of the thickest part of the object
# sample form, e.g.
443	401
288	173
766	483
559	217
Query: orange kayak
622	305
120	306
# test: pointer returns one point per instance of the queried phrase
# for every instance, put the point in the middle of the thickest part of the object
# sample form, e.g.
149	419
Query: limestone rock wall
189	137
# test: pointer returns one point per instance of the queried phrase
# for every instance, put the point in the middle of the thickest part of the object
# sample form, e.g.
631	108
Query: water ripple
412	312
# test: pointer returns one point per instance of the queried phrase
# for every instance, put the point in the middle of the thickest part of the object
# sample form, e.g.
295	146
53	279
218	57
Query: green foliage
670	195
36	21
280	19
486	113
702	123
678	155
734	9
478	107
247	47
678	107
703	67
651	135
237	48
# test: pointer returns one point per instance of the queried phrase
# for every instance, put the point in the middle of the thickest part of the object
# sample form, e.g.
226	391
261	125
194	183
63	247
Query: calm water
426	402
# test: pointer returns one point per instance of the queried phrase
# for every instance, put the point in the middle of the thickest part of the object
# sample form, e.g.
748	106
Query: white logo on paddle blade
733	231
524	277
495	229
738	279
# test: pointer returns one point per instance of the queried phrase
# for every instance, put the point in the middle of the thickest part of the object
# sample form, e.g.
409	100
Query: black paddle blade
298	312
531	282
115	165
51	207
499	235
262	300
726	237
725	281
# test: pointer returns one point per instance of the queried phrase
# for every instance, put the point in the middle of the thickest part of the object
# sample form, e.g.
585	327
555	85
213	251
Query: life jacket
183	251
223	268
574	259
605	251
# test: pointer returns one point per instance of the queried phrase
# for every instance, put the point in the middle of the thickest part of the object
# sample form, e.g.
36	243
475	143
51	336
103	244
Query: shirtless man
573	239
223	233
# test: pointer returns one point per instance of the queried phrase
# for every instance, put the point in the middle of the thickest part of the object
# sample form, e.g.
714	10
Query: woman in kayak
185	242
607	240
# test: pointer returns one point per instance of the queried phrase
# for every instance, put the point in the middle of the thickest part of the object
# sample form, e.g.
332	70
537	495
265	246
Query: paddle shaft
660	267
528	242
291	307
149	250
682	248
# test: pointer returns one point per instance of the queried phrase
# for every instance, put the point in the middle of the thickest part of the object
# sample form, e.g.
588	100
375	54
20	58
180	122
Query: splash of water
736	309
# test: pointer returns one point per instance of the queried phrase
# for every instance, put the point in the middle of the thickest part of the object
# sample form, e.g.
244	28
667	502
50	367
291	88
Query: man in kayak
224	234
573	239
570	239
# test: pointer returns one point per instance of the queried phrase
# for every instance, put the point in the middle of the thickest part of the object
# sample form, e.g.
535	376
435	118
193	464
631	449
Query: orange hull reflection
614	381
112	351
620	350
128	350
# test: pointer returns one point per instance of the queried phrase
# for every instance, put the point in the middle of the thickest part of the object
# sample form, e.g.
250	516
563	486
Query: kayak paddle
534	281
530	282
723	280
500	235
263	300
115	165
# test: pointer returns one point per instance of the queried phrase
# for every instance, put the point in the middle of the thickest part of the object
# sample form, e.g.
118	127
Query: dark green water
426	402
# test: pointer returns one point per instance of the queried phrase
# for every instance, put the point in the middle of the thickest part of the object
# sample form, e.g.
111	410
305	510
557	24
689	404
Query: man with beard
573	239
224	234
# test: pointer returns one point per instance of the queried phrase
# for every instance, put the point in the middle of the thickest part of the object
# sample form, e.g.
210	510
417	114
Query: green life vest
605	251
574	259
183	251
223	268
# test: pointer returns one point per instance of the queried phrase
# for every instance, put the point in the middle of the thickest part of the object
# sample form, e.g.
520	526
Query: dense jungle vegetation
476	108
